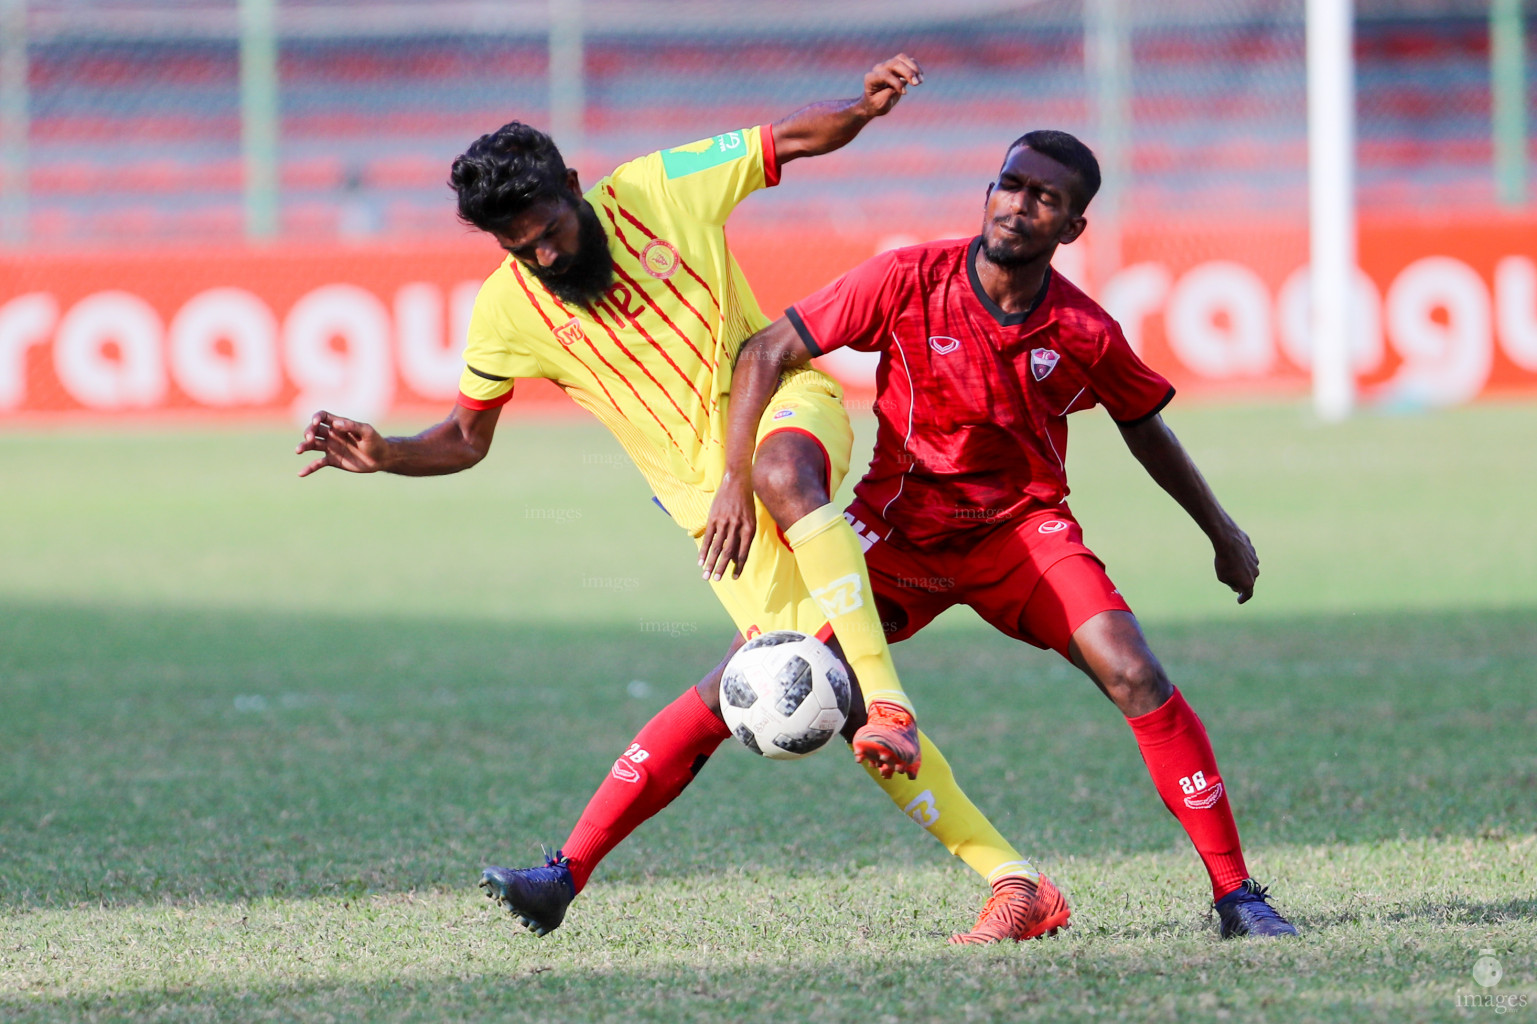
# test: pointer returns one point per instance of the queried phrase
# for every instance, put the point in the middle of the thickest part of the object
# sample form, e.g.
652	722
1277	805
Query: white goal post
1331	202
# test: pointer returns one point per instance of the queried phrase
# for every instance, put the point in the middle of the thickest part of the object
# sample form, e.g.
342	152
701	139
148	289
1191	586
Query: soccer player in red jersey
985	351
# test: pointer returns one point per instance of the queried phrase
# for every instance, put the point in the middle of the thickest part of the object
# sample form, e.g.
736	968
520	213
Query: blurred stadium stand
134	119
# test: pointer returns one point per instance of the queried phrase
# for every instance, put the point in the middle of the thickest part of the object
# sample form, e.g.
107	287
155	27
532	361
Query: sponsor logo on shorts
783	414
570	332
1042	362
1054	526
841	596
943	345
660	258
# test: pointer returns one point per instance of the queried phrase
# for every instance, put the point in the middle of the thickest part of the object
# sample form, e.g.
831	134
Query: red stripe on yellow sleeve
770	157
482	404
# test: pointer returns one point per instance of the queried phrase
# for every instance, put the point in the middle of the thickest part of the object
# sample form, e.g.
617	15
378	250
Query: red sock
666	755
1183	767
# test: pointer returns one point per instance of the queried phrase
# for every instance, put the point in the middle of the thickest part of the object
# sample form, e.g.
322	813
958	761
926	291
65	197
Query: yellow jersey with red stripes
652	358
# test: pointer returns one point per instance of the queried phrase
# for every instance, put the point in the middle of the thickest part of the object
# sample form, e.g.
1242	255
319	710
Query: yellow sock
832	563
938	805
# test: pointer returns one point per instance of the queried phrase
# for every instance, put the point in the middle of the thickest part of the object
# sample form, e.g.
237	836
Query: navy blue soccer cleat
1247	911
538	897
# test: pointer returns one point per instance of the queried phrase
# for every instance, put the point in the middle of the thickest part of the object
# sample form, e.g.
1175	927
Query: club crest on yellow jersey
660	258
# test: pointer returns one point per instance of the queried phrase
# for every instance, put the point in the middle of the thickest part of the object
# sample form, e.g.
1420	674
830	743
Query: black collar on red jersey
996	311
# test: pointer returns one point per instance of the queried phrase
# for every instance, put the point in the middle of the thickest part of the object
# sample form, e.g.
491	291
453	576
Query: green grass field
259	735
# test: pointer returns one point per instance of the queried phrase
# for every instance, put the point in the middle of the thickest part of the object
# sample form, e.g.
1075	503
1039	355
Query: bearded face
583	276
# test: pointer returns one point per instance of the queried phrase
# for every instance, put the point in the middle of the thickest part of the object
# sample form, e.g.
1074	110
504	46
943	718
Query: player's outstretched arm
728	532
832	124
1167	462
457	443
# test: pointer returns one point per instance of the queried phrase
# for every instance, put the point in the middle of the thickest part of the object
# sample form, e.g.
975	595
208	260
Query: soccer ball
784	694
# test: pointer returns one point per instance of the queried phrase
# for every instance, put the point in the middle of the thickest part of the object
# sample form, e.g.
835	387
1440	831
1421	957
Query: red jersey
972	402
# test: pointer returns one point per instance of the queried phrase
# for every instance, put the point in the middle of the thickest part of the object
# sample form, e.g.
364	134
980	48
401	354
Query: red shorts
1031	578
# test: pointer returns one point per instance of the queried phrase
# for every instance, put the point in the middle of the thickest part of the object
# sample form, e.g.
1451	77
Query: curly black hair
504	173
1066	150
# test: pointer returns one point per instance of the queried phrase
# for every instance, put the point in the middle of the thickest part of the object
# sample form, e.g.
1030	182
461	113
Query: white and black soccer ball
784	694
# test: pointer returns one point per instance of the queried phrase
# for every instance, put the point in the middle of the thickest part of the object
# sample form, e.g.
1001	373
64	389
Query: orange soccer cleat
888	741
1019	909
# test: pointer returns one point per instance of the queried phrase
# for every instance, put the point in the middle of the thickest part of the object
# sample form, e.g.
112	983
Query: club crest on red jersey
1042	362
944	346
570	332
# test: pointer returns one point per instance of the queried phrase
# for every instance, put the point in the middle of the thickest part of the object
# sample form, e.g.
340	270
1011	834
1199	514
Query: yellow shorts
770	594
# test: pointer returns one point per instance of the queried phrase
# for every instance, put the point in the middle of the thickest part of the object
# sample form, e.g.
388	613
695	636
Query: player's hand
887	82
1236	563
728	532
343	443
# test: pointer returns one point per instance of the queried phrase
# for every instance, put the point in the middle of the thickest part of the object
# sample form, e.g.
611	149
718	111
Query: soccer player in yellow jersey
627	298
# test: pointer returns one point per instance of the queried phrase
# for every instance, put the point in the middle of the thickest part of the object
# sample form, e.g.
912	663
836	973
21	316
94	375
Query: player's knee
788	487
1138	685
772	478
